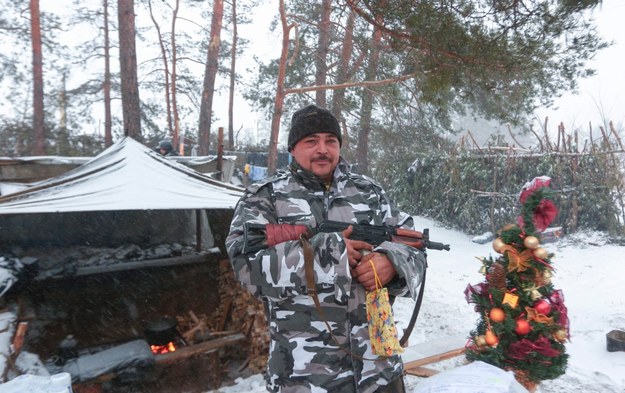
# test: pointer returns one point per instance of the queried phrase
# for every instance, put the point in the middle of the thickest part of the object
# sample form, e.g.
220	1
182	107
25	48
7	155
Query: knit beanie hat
311	120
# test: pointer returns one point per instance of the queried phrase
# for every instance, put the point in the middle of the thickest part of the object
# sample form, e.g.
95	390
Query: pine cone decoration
497	276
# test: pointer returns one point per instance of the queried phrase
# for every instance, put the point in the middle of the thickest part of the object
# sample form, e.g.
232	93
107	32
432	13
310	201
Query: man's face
318	153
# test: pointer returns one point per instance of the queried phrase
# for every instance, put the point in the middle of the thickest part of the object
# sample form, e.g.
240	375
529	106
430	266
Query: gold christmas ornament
532	290
547	276
498	244
510	299
480	341
531	242
533	315
541	253
560	335
518	261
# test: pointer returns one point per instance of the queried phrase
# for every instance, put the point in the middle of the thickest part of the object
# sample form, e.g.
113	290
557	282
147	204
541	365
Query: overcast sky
602	97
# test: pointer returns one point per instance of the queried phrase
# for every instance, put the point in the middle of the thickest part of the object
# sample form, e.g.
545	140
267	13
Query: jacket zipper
326	199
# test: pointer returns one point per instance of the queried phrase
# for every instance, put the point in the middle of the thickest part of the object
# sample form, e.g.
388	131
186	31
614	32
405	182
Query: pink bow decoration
544	214
521	349
557	303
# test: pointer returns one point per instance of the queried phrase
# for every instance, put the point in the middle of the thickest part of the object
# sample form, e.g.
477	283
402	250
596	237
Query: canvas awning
126	176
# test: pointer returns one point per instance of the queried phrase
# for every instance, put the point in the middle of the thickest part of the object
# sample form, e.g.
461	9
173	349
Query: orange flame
161	349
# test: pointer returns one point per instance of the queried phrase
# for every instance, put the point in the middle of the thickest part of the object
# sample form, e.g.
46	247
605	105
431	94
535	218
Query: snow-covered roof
126	176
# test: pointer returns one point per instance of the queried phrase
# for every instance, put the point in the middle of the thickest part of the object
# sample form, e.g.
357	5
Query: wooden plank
420	371
18	339
435	358
207	346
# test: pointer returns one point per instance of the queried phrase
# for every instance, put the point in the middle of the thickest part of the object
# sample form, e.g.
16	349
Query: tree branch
346	85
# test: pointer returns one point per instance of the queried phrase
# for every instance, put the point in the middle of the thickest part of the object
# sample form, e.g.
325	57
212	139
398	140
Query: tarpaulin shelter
127	176
109	246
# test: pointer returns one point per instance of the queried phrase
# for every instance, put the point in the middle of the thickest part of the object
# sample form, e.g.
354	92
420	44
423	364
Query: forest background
403	78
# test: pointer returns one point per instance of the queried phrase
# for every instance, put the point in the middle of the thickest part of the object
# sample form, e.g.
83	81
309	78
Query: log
125	266
207	346
434	358
224	316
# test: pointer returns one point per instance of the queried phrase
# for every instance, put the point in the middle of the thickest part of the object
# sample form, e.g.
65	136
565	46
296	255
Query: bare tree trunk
128	69
174	79
362	157
233	61
210	74
106	85
62	143
338	97
38	112
272	159
323	46
161	44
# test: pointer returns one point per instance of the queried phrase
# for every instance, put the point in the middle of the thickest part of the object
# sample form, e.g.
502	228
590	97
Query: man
166	148
303	355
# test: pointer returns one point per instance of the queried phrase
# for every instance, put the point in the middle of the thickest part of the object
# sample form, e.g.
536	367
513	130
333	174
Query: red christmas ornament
542	307
522	327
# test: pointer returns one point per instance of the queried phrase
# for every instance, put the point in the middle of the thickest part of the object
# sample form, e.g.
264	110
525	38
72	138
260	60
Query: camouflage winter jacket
303	357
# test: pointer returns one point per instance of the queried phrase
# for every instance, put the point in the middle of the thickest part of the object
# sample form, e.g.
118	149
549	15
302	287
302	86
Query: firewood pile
237	312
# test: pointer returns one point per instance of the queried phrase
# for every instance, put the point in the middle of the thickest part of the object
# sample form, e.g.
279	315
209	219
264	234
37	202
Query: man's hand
364	271
354	247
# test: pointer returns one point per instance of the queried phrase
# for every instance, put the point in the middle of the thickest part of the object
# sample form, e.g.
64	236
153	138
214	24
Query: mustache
323	158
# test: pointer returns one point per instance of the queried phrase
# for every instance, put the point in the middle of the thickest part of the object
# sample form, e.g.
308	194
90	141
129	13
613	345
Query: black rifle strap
415	312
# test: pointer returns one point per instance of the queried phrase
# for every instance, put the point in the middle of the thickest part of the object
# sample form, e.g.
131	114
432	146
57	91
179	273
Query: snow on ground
589	272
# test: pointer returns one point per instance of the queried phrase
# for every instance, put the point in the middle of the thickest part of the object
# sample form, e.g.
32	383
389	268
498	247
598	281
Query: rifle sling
415	312
311	289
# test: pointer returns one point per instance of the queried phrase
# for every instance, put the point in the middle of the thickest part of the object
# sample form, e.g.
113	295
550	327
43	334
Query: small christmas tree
523	320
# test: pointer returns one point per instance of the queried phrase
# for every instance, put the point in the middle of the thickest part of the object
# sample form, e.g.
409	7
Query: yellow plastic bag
382	330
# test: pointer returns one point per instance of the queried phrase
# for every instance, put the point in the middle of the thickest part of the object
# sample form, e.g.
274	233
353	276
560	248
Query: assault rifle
261	236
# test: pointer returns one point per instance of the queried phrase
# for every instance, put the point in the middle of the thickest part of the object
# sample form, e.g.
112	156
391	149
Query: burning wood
207	346
162	349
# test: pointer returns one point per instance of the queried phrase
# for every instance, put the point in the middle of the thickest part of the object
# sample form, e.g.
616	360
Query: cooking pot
161	331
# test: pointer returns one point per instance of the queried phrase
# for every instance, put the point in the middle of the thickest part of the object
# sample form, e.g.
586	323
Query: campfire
161	349
148	329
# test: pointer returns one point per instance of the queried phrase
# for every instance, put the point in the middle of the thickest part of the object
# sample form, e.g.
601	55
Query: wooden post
220	153
198	230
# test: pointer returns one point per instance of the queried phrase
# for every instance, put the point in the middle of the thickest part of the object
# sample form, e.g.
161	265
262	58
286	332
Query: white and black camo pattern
302	355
